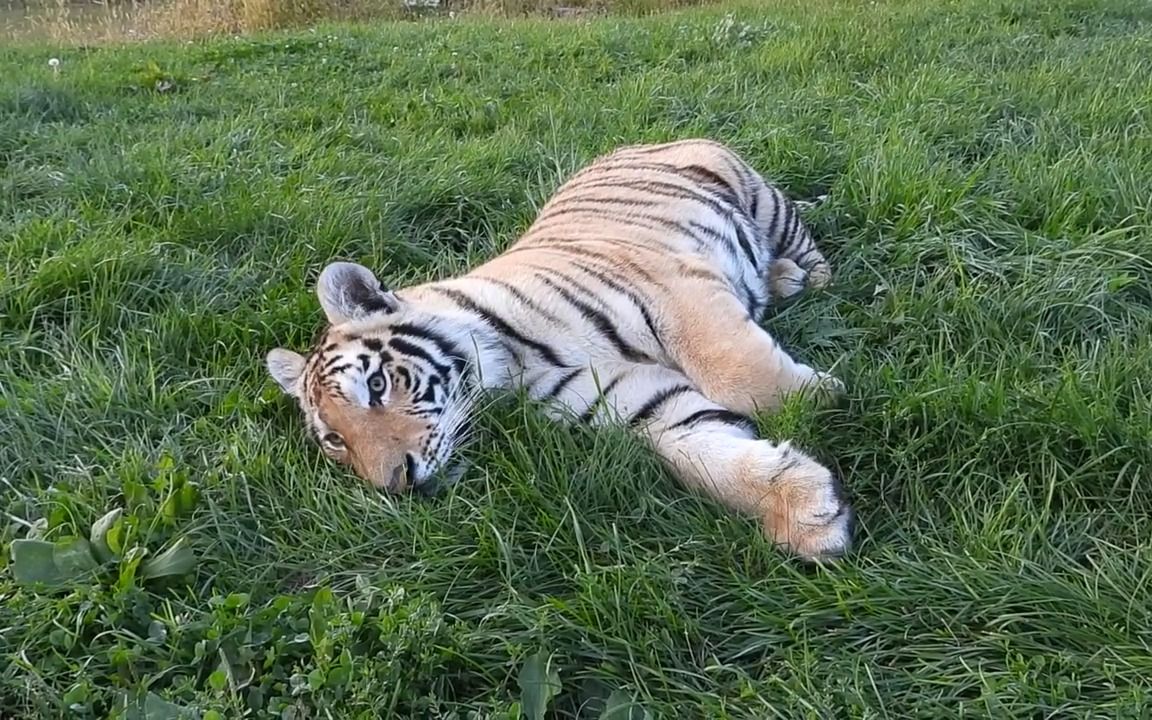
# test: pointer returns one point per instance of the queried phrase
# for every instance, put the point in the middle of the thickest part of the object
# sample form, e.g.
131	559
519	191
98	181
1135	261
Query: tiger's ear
348	291
286	367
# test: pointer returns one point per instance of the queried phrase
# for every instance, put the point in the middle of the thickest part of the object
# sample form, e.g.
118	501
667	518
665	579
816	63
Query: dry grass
65	22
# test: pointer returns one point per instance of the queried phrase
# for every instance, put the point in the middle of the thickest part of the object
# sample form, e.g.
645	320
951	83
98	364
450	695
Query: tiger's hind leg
734	361
797	500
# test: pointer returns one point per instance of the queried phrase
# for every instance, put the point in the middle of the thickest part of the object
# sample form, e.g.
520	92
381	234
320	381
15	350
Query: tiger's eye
376	383
334	441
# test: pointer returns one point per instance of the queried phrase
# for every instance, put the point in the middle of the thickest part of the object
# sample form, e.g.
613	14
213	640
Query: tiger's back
632	233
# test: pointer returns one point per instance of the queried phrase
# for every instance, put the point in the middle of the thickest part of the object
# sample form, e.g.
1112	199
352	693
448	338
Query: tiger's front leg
734	361
710	448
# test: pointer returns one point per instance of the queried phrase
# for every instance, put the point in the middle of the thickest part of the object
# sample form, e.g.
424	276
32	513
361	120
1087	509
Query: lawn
989	172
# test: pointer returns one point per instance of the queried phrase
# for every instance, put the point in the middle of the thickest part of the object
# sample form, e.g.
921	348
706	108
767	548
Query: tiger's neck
489	360
474	328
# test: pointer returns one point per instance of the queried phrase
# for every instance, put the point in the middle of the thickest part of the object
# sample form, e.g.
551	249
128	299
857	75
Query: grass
989	219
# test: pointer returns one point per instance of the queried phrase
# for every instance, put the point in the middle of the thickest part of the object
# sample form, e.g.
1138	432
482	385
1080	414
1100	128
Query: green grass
989	166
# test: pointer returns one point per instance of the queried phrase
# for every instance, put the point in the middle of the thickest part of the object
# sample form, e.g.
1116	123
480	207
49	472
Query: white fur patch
355	389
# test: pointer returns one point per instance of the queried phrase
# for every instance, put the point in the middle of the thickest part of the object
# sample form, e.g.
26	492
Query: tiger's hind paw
787	279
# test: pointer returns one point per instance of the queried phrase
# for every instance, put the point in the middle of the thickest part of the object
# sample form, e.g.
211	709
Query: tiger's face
384	390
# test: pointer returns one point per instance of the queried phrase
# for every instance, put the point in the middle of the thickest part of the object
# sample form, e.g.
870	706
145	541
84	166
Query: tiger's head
387	388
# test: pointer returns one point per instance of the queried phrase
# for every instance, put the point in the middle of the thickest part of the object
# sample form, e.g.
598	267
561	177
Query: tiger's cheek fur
377	440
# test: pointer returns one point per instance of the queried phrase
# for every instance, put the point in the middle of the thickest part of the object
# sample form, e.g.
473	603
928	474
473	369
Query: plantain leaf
621	706
105	543
539	683
73	558
33	562
157	708
176	560
39	562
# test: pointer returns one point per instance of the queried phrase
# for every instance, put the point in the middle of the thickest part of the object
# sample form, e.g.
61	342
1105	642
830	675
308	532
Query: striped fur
634	297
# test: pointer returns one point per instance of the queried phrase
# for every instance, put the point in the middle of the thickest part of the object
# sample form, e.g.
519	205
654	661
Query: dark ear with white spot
348	291
286	367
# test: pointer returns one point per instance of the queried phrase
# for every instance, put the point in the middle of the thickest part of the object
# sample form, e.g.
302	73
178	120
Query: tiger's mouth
444	477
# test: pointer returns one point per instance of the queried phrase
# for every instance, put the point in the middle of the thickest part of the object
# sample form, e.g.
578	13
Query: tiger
636	296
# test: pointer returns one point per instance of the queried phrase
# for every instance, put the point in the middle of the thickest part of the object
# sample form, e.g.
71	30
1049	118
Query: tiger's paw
787	279
823	388
820	276
810	518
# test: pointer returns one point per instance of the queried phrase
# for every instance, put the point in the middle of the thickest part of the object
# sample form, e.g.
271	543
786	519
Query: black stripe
658	223
590	411
373	344
725	239
564	382
751	301
716	415
745	245
787	241
597	318
552	220
637	301
576	249
563	201
653	405
519	295
698	228
411	349
446	347
603	276
704	175
785	222
804	259
608	169
647	149
605	167
794	230
428	395
499	324
721	205
801	244
695	173
336	370
770	225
